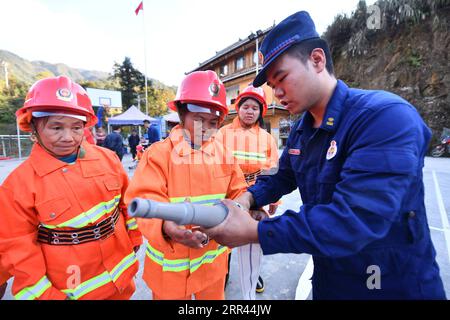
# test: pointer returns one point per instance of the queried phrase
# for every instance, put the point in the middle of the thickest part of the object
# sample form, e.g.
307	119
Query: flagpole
145	60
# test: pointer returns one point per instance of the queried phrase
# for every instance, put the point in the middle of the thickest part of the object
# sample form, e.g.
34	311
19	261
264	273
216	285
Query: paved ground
282	272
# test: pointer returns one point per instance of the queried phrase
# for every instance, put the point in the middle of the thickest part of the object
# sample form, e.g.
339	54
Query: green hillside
27	71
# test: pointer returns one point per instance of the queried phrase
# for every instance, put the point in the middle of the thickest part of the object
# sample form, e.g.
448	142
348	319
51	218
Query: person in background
153	133
114	142
65	231
145	135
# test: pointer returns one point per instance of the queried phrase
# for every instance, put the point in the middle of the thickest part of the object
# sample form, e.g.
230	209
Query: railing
13	146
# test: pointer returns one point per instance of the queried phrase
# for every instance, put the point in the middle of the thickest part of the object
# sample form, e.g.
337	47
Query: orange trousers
213	292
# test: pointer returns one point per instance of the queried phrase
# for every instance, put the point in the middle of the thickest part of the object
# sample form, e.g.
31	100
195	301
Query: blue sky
180	34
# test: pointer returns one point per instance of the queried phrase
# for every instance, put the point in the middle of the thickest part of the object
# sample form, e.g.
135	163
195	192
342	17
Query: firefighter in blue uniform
357	158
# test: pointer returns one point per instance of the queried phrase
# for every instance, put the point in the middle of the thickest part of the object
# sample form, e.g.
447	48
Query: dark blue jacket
153	133
363	201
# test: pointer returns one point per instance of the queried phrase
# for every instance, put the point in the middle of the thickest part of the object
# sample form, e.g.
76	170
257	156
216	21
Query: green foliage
157	100
107	84
338	33
132	83
43	75
415	60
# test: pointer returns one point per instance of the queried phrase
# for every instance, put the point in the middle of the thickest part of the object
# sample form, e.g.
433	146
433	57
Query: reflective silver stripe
176	265
34	292
184	264
209	199
208	257
89	216
249	155
88	286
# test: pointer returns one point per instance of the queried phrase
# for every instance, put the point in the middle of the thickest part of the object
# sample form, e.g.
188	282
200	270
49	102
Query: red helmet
56	94
203	87
256	93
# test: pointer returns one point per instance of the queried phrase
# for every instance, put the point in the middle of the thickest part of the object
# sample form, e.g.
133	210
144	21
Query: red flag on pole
139	8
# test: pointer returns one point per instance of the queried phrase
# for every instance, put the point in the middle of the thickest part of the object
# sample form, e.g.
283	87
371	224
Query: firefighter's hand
191	238
246	200
237	229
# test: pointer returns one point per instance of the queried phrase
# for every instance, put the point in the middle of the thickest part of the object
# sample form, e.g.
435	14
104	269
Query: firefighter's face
295	83
249	112
60	135
200	126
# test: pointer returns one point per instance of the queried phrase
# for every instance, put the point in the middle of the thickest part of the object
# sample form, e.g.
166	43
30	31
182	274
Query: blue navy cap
294	29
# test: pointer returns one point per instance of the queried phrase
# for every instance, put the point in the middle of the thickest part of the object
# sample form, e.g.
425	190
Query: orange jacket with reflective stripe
46	191
171	171
254	149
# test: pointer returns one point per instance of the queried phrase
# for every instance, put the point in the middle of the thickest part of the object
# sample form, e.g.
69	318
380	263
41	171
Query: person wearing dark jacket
363	217
153	133
114	142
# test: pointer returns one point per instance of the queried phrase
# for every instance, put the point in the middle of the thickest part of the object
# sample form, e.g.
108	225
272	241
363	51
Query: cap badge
332	150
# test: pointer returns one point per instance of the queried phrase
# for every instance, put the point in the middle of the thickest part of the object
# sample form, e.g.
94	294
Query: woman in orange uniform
187	166
65	231
256	151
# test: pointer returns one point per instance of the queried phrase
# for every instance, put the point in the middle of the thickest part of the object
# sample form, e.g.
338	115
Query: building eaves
229	49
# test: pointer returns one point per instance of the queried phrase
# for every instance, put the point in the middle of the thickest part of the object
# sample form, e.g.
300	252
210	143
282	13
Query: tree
131	80
11	99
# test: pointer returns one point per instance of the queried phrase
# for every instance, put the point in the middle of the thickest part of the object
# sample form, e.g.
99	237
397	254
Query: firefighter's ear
33	137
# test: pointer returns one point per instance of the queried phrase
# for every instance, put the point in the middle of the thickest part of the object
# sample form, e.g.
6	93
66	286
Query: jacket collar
43	163
333	111
183	148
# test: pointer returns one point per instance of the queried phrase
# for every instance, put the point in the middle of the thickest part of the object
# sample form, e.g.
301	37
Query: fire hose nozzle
181	213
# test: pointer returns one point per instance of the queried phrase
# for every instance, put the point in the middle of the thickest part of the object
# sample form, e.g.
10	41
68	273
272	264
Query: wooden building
237	66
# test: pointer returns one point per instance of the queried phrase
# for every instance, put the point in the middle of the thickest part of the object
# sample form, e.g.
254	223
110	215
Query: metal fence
13	146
